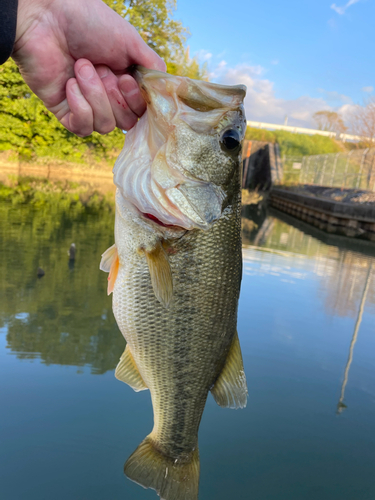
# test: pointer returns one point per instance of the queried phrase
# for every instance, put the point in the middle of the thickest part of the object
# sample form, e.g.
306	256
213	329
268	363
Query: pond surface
306	327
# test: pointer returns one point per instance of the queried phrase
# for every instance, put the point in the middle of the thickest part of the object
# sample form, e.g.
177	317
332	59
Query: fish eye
231	139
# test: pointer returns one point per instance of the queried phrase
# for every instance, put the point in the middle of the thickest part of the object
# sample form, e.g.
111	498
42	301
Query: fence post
369	173
347	164
315	168
361	167
323	169
308	167
246	167
334	168
303	172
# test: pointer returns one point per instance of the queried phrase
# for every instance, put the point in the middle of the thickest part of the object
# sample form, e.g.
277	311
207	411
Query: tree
154	21
329	121
363	122
26	126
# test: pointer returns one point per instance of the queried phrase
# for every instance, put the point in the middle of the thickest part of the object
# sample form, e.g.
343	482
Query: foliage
154	22
166	36
65	317
184	65
39	193
329	121
27	128
296	144
363	122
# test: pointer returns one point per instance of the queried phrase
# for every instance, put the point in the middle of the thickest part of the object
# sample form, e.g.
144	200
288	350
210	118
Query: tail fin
172	479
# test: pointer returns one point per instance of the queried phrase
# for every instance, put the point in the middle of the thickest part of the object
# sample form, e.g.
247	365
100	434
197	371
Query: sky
295	57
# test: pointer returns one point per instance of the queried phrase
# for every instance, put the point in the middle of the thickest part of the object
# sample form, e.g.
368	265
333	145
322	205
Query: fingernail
76	90
102	72
86	72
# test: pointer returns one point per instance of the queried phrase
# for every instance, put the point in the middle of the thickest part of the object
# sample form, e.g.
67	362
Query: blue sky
295	57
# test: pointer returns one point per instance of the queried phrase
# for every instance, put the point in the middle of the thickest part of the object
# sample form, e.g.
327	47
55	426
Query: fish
175	268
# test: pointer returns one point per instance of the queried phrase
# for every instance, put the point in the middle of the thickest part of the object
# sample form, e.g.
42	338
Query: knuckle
81	129
105	127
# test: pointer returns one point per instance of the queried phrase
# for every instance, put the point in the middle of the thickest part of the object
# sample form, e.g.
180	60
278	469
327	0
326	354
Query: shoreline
96	176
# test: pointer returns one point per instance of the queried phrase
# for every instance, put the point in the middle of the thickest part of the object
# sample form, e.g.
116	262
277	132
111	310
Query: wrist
28	14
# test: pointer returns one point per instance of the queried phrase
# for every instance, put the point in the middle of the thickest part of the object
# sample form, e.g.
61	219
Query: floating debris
40	273
72	252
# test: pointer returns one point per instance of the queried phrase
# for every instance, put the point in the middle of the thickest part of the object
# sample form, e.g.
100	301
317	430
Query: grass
41	193
296	144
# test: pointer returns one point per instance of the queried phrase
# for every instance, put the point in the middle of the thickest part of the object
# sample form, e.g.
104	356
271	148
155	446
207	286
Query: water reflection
340	262
342	265
341	405
65	317
306	331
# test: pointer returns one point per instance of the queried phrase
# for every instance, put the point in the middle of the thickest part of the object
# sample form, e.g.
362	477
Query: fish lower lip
157	221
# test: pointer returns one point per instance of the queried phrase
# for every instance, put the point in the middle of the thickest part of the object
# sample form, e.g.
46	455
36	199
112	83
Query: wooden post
246	167
361	167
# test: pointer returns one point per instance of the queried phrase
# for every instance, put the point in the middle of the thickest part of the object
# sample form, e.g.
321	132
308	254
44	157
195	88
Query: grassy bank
296	144
43	194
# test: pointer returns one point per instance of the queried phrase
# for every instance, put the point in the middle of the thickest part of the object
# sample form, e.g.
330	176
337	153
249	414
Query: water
306	327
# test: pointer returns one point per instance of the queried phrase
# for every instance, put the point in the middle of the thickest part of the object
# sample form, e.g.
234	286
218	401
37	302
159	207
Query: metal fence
355	169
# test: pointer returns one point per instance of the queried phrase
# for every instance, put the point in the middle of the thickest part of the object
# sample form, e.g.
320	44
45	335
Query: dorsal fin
230	389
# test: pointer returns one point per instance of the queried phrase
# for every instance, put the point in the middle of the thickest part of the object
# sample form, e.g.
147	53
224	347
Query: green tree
167	36
27	128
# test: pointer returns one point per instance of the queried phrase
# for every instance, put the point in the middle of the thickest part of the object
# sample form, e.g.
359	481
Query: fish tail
172	479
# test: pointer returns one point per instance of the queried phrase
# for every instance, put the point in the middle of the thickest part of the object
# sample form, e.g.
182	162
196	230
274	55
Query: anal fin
161	274
127	372
230	389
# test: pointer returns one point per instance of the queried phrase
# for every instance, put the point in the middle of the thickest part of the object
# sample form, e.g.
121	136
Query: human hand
74	55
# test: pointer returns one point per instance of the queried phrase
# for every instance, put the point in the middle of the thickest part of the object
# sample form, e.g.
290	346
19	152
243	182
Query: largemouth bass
175	268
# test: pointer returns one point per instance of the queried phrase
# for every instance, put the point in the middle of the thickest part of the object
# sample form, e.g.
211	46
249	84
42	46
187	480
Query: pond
306	327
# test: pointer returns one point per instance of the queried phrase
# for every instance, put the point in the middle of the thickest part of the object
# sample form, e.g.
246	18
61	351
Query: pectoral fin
127	372
110	264
230	389
161	274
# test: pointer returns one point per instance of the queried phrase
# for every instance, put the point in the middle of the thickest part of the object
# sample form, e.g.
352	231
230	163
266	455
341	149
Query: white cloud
334	97
368	89
218	71
341	10
261	103
203	55
275	62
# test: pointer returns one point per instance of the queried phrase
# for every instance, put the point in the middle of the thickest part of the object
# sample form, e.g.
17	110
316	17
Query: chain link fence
355	169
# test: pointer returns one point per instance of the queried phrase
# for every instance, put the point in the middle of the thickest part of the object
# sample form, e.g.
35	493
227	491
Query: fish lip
155	220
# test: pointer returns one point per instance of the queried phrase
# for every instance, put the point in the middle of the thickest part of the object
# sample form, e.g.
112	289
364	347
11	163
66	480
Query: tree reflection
66	317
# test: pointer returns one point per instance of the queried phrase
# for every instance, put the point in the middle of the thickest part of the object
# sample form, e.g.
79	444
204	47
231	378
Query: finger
76	114
141	53
95	94
124	116
132	95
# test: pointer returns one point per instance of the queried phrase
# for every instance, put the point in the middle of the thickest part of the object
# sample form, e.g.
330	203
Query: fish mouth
152	218
159	172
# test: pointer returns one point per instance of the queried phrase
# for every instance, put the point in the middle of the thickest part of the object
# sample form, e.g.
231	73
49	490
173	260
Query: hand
73	54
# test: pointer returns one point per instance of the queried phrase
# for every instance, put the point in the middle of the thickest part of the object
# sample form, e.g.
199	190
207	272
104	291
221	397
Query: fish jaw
173	165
